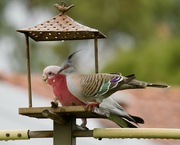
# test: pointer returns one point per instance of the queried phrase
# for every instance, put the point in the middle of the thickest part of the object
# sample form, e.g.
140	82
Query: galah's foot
54	104
92	105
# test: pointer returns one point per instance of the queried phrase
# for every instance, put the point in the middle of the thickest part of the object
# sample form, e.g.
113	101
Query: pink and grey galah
66	98
93	88
60	90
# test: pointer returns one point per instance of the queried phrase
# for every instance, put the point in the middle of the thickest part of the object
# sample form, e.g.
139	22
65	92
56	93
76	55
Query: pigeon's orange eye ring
66	67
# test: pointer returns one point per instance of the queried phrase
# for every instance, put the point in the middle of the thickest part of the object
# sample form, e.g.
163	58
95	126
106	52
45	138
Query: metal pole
96	52
40	134
24	134
66	134
150	133
13	135
28	71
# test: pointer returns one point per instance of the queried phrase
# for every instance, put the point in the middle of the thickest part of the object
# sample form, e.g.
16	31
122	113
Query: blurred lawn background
143	37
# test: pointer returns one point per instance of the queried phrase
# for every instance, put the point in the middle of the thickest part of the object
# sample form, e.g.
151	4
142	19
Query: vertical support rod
96	52
28	71
63	134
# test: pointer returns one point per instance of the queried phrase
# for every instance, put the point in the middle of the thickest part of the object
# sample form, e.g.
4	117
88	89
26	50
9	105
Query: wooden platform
76	111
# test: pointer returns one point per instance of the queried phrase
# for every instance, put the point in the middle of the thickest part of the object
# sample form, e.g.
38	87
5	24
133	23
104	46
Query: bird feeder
58	28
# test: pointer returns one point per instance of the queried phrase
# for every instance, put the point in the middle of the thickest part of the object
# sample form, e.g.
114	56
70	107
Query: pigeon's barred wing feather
99	84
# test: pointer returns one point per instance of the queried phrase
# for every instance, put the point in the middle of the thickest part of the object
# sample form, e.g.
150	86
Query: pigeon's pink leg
92	105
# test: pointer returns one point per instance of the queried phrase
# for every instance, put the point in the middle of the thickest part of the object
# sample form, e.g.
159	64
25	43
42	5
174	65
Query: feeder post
28	71
96	52
63	134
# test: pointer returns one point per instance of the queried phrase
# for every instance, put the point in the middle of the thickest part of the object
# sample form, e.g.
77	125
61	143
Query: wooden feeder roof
61	27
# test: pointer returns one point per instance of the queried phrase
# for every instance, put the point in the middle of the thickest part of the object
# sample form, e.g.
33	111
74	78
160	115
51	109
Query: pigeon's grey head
67	67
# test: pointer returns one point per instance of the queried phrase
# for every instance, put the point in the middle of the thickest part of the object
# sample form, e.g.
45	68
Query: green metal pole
63	134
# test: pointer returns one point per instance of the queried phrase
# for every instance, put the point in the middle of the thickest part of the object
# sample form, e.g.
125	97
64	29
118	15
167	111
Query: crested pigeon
93	88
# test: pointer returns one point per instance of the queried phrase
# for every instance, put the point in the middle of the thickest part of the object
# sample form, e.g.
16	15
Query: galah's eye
50	73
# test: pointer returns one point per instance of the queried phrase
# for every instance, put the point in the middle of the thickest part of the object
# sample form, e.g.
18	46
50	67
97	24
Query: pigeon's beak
60	71
44	78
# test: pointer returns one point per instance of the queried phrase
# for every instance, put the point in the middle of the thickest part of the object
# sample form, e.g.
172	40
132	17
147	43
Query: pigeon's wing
99	84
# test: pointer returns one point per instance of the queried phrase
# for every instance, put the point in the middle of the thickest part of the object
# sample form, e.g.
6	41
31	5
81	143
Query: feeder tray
76	111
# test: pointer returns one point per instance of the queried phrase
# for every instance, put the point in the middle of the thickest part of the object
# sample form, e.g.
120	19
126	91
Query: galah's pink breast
60	89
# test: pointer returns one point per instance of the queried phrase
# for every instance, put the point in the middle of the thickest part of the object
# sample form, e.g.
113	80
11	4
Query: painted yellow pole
13	134
139	133
149	133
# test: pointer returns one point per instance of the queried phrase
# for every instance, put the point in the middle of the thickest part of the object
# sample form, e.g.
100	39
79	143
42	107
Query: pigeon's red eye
66	67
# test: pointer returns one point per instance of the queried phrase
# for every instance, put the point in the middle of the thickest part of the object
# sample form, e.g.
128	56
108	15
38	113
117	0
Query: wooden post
63	134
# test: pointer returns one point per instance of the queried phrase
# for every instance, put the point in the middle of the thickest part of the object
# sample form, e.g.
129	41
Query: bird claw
92	105
84	127
79	127
54	104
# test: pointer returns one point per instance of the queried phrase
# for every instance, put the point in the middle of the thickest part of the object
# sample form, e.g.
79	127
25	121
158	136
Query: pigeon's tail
135	84
157	85
122	122
125	122
137	119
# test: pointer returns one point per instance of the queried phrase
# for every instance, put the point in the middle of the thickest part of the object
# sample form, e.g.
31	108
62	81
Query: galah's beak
44	78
